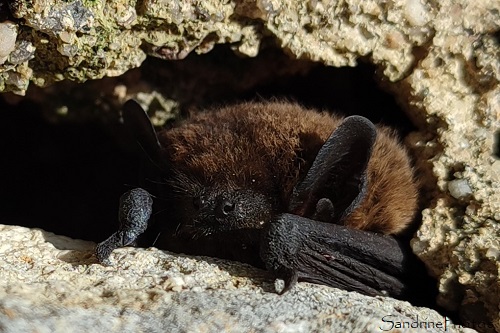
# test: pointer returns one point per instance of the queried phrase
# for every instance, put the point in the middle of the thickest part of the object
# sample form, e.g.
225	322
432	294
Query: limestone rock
53	284
81	40
440	59
454	96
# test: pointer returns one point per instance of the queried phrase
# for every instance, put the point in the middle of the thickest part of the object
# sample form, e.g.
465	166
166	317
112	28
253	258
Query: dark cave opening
67	177
63	178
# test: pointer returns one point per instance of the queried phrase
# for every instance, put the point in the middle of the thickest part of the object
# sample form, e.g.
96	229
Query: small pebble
459	188
8	35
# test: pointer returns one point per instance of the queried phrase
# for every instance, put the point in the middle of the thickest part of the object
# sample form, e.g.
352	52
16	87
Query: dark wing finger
335	255
338	171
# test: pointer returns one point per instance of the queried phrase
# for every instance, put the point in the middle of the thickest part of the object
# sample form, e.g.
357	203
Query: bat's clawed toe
290	280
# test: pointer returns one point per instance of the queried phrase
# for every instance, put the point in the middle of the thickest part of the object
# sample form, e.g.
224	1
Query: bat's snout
229	210
224	208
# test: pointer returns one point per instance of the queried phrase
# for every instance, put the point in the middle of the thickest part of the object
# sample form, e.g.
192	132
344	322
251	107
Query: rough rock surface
453	95
81	40
440	59
53	284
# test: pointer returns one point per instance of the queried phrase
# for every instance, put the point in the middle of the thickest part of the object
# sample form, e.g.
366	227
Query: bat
310	196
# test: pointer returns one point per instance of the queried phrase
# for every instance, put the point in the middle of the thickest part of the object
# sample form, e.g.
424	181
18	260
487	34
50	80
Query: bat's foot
135	210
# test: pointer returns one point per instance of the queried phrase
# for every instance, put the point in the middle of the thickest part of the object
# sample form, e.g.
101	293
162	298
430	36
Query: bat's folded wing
296	248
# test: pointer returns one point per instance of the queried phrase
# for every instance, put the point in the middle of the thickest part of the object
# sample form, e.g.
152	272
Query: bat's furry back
268	147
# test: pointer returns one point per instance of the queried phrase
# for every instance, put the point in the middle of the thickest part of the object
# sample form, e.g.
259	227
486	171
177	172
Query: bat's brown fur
269	146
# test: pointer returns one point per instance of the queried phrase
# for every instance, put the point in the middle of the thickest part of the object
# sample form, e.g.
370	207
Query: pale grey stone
53	284
459	188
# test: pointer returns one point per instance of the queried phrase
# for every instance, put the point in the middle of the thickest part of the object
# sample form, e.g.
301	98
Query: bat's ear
337	176
138	123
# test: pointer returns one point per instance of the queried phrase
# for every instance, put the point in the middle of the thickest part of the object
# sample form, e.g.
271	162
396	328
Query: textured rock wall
81	40
440	59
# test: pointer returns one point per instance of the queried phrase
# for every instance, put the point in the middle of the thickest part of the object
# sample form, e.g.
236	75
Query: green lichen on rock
72	40
81	40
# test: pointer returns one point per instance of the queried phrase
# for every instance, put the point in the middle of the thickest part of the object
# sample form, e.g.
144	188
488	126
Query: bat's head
203	208
219	177
222	171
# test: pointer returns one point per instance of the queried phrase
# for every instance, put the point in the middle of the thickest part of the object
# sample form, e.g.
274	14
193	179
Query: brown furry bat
268	147
311	196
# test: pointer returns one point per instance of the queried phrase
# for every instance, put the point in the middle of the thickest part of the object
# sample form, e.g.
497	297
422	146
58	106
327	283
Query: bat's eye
198	202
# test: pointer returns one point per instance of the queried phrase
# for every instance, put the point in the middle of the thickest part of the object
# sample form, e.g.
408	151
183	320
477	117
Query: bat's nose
224	208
